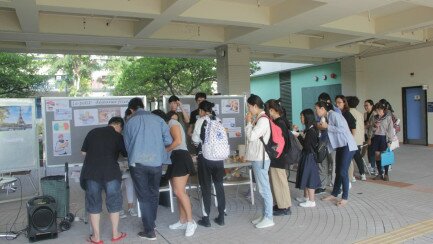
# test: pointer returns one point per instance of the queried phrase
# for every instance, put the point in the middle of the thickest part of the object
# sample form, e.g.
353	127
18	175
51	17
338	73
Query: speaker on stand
42	218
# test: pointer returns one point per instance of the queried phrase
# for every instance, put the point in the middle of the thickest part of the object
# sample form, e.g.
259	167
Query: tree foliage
19	75
77	72
164	76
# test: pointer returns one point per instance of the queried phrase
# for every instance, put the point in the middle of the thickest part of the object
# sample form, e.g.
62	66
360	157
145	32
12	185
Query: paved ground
374	209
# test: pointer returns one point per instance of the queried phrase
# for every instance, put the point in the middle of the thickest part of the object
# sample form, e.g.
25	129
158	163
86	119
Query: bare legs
94	221
184	204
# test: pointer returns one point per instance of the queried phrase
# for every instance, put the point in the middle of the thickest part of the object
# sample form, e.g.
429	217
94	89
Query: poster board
18	135
67	121
231	109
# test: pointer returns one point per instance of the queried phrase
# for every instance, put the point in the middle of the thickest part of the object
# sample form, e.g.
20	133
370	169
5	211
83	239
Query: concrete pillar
348	77
233	69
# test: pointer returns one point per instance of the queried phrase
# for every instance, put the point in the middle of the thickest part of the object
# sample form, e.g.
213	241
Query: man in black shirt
100	171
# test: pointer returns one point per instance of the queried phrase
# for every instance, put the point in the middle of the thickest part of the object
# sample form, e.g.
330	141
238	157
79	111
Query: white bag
215	146
394	143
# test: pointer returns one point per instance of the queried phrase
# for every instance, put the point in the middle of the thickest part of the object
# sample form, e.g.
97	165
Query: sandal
94	242
122	235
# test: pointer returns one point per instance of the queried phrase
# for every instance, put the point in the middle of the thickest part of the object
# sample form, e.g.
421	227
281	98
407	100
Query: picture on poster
234	132
52	105
85	117
105	114
63	114
62	144
230	106
216	109
229	122
49	105
61	126
15	118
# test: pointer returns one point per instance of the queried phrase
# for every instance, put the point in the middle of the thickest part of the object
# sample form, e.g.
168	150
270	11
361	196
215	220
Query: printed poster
62	144
86	117
105	114
52	105
228	122
230	106
234	132
61	126
63	114
15	118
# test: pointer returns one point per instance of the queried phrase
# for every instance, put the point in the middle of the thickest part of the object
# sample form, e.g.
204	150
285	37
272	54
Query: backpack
215	146
294	151
275	146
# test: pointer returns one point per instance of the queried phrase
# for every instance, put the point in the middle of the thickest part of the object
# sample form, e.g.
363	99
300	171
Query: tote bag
387	157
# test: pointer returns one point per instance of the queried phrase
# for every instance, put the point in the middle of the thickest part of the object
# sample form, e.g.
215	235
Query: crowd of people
152	139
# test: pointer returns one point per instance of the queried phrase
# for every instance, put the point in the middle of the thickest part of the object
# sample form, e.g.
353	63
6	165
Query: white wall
384	76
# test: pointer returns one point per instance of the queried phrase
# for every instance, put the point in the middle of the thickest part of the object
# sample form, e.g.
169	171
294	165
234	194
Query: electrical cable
10	232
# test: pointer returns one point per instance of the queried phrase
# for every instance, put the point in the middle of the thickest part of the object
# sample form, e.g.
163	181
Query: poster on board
15	118
230	106
86	117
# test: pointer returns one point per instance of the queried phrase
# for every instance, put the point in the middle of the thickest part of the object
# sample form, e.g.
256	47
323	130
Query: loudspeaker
42	218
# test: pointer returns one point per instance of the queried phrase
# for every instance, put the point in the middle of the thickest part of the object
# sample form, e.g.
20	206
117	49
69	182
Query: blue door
415	131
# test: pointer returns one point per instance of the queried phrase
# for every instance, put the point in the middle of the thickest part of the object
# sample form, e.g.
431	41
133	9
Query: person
341	140
343	106
307	176
380	135
101	171
277	171
127	180
255	129
353	102
208	170
146	136
368	121
182	115
195	115
178	172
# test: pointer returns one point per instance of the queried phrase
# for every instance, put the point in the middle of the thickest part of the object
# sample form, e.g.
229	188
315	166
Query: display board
18	135
68	120
229	108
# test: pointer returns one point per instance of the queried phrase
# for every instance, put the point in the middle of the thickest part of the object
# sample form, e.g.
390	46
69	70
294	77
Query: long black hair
326	105
256	100
309	118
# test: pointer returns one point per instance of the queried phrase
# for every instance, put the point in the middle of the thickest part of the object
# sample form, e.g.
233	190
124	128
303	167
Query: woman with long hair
208	170
341	140
178	172
368	122
380	136
307	177
277	171
258	126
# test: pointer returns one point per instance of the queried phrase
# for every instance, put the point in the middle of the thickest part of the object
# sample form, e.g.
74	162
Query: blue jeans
262	179
113	198
343	157
146	184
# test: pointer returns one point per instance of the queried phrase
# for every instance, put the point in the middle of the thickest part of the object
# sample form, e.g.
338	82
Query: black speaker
42	218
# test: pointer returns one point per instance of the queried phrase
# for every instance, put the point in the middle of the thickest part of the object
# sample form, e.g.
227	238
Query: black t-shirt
102	147
351	121
193	117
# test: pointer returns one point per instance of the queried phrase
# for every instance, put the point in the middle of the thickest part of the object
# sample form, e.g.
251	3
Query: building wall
384	76
305	78
266	86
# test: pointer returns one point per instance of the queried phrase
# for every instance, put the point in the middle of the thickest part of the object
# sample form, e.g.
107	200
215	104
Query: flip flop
94	242
122	235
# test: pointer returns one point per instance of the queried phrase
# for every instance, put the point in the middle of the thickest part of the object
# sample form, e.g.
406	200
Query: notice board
18	135
67	121
229	108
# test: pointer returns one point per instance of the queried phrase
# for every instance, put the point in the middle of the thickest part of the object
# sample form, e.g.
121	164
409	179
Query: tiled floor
375	208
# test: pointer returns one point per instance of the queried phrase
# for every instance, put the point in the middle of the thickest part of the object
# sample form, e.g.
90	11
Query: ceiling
275	30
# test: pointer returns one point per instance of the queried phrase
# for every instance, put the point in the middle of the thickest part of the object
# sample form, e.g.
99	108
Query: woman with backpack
307	177
380	136
277	171
208	170
258	126
341	140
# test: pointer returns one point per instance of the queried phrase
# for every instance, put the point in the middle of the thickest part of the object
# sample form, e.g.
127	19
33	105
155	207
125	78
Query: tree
163	76
18	75
77	70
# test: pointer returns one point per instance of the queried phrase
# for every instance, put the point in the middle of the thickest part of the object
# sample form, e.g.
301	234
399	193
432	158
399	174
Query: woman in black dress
307	177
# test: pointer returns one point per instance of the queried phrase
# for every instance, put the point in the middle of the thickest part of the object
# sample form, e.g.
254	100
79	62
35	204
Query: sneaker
282	211
363	177
220	220
204	221
386	178
132	212
178	226
148	236
265	223
308	204
122	214
301	199
353	179
258	220
319	191
190	228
